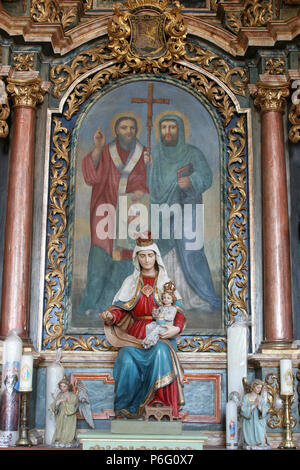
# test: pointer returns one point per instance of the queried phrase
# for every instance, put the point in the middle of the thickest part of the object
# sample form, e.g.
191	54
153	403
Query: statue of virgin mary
144	376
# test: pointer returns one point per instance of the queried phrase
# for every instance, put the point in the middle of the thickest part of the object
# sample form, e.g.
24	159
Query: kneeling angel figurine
163	315
254	411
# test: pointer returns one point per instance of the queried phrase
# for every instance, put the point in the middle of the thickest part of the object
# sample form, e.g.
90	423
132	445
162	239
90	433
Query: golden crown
169	286
145	240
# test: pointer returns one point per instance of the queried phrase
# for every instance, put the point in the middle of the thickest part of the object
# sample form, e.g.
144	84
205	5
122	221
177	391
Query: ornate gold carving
50	11
253	13
45	11
134	5
63	75
275	65
25	93
276	410
164	46
234	21
257	12
4	111
237	222
200	344
24	62
87	4
236	78
271	97
294	118
56	244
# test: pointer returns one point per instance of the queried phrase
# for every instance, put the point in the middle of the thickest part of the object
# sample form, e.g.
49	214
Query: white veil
129	286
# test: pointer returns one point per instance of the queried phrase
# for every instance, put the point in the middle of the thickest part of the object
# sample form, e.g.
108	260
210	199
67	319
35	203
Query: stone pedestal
142	435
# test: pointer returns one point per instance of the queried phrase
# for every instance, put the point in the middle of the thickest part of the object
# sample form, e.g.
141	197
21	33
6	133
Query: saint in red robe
105	180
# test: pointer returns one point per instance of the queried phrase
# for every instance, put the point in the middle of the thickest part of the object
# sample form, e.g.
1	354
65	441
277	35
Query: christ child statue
163	315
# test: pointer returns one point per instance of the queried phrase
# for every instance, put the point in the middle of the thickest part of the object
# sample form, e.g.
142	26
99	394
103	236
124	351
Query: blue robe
254	421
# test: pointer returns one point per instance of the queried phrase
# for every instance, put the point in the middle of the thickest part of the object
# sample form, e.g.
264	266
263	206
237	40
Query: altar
173	121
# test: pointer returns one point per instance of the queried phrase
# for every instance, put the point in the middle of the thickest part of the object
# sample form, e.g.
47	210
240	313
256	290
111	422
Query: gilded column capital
271	95
26	92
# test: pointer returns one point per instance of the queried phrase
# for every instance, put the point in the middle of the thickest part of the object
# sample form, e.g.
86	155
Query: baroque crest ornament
147	35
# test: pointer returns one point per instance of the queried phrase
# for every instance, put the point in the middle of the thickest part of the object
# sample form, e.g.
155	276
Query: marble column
26	92
270	97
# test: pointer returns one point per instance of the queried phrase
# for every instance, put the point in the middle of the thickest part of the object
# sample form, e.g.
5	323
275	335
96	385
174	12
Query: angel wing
84	406
246	385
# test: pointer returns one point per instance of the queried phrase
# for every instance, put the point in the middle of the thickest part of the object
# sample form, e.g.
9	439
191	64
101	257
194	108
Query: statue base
130	434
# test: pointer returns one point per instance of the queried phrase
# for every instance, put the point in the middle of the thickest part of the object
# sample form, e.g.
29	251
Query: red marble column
18	230
277	296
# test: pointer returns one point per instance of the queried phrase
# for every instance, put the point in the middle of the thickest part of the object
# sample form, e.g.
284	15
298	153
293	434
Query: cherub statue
254	409
65	406
163	315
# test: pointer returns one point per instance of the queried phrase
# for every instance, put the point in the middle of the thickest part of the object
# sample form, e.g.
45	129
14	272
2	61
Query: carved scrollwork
50	11
237	223
236	78
63	75
202	344
257	12
276	410
163	35
253	13
56	244
294	118
4	111
24	62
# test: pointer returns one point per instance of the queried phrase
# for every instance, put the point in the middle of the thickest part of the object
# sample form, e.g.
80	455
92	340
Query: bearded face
126	133
169	132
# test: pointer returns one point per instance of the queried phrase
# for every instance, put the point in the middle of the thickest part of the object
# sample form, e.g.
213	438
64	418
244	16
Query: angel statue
65	406
254	410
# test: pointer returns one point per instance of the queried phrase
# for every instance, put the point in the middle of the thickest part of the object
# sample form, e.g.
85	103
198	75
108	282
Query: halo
128	114
176	113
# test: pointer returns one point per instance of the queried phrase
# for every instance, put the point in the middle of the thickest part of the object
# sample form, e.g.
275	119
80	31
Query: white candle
9	422
26	371
55	372
286	377
237	353
231	424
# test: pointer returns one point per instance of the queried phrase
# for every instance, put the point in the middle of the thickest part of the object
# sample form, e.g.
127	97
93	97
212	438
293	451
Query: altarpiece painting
193	195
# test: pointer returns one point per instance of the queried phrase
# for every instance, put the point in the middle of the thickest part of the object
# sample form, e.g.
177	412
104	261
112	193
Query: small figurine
163	315
65	407
254	411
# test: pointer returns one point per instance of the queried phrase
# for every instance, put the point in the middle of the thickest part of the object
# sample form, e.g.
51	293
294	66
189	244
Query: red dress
142	315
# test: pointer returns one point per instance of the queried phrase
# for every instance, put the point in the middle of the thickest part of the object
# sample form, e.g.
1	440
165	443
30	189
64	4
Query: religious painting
146	156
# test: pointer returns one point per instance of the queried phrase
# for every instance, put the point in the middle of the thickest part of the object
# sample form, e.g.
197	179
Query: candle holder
287	442
23	432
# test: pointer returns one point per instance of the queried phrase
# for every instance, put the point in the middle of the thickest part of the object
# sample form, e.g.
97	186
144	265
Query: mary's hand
107	317
171	331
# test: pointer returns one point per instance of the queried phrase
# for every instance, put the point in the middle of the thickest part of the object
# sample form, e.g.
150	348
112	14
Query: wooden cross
150	100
